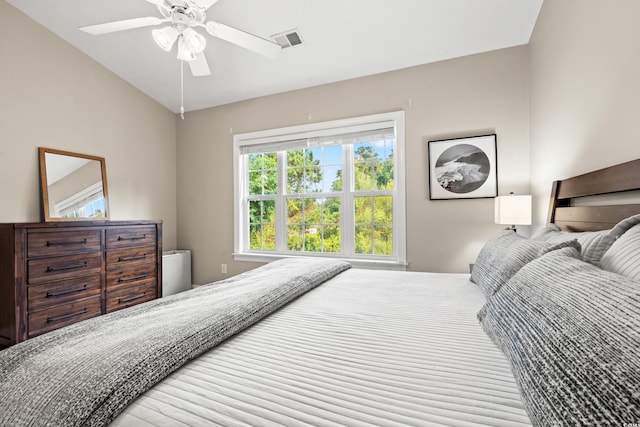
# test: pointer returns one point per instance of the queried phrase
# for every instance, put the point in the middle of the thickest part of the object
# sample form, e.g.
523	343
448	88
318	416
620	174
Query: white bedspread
366	348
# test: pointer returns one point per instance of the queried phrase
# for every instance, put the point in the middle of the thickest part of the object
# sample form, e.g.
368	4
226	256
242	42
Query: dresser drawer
47	269
62	291
131	257
130	296
62	242
131	236
130	276
62	315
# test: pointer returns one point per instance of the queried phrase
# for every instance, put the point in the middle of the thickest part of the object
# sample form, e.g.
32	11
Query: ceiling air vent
288	39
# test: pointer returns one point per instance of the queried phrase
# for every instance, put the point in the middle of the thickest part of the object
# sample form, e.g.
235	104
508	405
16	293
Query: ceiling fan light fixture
194	42
184	54
165	37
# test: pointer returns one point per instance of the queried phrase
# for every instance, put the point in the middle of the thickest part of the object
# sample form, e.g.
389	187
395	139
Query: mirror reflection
73	186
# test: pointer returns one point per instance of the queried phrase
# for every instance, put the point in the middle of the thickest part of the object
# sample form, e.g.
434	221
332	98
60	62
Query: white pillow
594	243
623	257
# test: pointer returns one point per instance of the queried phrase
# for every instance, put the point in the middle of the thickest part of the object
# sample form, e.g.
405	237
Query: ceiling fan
183	16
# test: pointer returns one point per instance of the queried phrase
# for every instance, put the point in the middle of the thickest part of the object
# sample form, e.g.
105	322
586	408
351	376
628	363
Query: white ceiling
342	39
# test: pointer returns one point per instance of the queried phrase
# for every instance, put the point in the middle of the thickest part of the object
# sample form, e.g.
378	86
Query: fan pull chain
182	89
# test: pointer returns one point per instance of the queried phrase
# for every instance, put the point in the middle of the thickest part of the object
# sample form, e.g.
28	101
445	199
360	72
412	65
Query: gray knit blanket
87	373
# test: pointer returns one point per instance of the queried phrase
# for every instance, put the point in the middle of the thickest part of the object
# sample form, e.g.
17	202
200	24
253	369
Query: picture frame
463	168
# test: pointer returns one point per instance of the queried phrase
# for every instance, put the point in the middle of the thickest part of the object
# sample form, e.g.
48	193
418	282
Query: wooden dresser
58	273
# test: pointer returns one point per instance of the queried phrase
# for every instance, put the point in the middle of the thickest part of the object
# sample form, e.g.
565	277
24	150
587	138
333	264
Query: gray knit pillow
594	243
623	257
572	334
504	254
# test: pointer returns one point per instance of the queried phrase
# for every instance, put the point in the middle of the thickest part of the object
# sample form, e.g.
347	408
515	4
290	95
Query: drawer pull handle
82	242
66	316
70	291
125	300
68	267
128	279
132	258
120	238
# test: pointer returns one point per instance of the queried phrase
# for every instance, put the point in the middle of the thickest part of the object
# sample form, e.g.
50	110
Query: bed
545	331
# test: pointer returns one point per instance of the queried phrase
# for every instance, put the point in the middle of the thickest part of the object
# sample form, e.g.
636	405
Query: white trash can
176	272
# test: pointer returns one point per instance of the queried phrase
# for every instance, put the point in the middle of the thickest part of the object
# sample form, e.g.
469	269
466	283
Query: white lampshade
194	42
183	53
165	37
513	210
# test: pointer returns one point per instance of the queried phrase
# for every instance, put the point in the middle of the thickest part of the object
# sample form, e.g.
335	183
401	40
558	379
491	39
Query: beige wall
582	64
52	95
468	96
585	90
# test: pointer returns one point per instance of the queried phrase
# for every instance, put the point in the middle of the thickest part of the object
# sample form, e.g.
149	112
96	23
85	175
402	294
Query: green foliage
303	172
313	224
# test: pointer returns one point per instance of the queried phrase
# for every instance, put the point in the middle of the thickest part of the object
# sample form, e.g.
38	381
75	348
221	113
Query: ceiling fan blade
199	67
205	4
243	39
127	24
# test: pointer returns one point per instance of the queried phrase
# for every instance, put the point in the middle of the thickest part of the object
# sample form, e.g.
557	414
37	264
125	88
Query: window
87	203
332	189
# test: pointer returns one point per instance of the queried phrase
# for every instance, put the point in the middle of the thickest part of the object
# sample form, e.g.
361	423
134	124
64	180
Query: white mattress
366	348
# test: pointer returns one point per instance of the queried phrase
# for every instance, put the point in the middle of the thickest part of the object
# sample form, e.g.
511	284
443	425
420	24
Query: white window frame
395	119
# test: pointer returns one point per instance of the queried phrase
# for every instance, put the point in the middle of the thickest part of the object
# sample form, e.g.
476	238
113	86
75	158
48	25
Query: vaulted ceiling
341	39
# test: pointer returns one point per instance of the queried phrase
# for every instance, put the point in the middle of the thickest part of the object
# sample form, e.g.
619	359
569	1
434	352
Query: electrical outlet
223	268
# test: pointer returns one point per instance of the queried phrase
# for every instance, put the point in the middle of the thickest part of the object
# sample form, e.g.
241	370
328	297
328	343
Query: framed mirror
74	186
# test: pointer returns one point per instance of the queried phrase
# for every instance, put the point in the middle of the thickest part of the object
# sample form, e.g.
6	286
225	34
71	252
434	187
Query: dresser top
79	223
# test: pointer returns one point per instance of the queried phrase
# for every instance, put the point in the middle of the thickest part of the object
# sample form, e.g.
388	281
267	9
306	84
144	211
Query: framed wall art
463	168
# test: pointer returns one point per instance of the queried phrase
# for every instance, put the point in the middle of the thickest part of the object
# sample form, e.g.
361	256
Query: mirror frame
45	189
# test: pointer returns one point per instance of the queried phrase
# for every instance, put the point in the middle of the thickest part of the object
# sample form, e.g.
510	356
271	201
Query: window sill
355	262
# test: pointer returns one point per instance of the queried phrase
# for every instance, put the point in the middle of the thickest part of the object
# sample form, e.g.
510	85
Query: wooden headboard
615	179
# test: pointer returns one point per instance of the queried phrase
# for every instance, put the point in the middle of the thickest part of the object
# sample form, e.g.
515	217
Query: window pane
332	179
383	210
363	152
263	173
384	173
382	240
373	225
313	179
313	238
384	179
255	212
332	155
304	174
373	165
314	155
312	211
255	183
269	211
295	180
331	211
255	162
269	237
363	175
332	171
255	238
363	210
262	234
331	239
364	239
295	158
270	181
314	224
294	238
294	211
